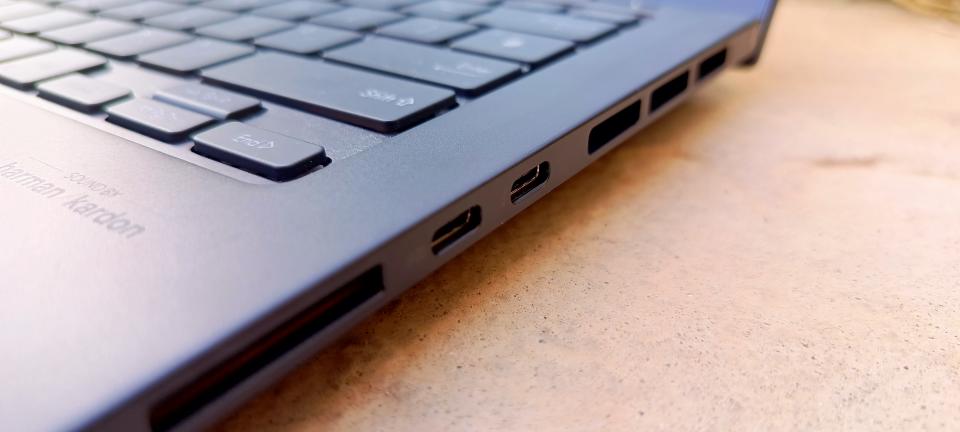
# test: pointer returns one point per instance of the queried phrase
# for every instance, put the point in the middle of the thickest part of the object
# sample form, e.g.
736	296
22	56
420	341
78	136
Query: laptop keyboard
382	65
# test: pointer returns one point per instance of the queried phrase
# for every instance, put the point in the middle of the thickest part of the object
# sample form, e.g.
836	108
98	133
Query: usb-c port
454	230
530	181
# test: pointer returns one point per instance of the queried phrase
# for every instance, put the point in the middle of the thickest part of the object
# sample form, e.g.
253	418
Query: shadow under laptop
438	324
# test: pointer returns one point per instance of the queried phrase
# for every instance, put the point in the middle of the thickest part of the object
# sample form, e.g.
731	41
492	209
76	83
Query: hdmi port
530	181
454	230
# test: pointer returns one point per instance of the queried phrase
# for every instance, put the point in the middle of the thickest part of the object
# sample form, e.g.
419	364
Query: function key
141	10
158	120
138	42
357	19
480	2
426	30
26	72
446	9
619	18
296	10
535	6
519	47
20	46
89	31
239	5
94	6
555	26
208	100
194	55
81	92
464	72
307	39
189	19
262	152
21	10
48	21
382	4
369	100
244	28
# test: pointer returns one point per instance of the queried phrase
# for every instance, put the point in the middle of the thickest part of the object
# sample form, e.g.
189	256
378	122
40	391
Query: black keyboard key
381	4
21	10
194	55
467	73
48	21
614	6
603	15
357	19
555	26
81	92
362	98
480	2
141	10
19	47
446	9
426	30
244	28
296	10
26	72
519	47
535	6
268	154
89	31
156	119
214	102
138	42
189	19
307	39
239	5
93	6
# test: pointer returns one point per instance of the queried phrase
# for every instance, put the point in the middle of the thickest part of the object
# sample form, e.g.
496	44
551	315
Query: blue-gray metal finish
101	319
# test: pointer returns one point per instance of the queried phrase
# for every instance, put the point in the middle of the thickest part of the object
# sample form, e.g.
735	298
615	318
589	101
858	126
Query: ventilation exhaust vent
612	127
668	91
221	378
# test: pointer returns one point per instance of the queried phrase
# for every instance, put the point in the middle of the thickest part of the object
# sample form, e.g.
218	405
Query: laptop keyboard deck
380	65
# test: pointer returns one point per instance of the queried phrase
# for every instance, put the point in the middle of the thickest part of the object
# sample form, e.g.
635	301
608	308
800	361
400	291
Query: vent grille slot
221	378
712	64
612	127
668	91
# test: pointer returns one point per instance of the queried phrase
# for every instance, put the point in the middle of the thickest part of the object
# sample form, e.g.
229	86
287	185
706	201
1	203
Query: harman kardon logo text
115	222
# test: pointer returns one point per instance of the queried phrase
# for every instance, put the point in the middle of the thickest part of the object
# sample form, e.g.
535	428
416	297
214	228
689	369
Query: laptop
196	195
